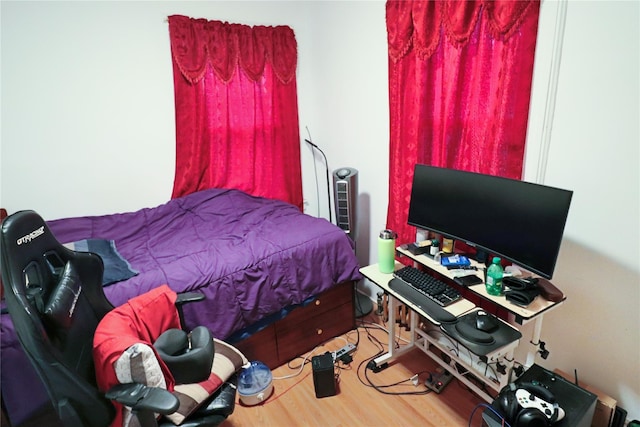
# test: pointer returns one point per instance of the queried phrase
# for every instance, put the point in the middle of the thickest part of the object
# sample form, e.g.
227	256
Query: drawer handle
319	331
317	302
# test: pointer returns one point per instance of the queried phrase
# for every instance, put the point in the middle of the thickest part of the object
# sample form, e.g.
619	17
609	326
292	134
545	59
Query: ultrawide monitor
517	220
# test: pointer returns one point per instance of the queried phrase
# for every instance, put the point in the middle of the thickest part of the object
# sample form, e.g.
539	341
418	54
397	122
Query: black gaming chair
60	348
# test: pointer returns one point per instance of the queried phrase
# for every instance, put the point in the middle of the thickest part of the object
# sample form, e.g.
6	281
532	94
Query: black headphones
517	416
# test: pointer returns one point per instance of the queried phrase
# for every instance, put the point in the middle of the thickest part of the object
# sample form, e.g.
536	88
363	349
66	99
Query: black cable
379	388
308	141
364	363
315	175
304	362
490	408
455	349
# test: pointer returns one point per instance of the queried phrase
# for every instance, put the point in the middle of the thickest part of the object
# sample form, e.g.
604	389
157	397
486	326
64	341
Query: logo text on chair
29	237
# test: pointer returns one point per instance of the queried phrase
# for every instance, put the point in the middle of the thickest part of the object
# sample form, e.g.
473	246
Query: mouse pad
479	342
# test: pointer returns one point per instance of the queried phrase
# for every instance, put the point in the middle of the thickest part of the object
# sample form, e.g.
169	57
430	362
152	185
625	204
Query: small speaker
324	380
345	195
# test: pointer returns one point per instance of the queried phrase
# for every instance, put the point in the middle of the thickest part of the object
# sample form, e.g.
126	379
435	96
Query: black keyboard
429	286
429	306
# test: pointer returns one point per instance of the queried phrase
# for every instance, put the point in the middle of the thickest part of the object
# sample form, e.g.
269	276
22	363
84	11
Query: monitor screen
516	220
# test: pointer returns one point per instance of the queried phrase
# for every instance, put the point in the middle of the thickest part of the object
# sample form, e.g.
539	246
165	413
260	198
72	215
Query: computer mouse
486	322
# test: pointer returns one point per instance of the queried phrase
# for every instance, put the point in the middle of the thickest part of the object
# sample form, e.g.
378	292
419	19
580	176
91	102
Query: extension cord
438	381
347	349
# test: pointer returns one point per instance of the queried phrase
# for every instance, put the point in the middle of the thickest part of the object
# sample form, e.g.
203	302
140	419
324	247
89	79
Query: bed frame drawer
304	335
261	346
331	314
326	301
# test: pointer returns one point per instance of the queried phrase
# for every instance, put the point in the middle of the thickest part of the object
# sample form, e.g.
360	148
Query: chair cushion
141	321
227	361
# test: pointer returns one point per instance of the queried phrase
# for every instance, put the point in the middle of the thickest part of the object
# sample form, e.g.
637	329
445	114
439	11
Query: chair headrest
27	241
26	235
189	357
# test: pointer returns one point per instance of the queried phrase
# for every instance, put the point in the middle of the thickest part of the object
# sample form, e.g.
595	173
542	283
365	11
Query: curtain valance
410	24
196	42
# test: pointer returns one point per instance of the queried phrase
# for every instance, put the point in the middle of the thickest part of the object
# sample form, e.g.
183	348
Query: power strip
438	381
347	349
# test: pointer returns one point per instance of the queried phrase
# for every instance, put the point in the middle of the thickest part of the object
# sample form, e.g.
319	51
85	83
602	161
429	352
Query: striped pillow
227	361
138	364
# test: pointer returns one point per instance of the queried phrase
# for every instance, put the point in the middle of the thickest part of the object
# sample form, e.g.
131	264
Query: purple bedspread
250	256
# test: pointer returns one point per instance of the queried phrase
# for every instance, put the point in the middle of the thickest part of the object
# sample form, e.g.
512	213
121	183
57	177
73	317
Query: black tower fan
345	195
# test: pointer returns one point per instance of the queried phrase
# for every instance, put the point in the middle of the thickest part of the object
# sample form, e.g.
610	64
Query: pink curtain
236	108
459	87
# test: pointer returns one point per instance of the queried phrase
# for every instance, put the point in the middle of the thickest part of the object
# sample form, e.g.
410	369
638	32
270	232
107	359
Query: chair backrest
55	299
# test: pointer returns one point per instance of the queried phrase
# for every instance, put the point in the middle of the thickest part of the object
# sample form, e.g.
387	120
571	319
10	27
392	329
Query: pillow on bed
227	361
116	268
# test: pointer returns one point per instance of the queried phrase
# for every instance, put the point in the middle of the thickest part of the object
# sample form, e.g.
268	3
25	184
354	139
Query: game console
527	400
576	406
528	405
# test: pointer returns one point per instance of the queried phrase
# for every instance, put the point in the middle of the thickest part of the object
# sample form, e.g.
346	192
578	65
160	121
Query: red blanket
140	320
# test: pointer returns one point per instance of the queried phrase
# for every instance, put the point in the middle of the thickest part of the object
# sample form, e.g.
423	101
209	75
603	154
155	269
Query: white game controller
527	399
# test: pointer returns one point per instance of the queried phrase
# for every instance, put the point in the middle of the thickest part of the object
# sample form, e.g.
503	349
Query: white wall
87	110
351	123
594	150
87	128
92	81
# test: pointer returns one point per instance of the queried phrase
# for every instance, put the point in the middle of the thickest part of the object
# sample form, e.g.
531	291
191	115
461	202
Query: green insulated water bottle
387	251
494	277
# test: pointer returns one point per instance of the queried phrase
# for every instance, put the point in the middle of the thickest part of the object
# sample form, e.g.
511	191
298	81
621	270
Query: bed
263	266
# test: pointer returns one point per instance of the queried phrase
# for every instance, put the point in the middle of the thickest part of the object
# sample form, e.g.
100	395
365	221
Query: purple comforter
250	256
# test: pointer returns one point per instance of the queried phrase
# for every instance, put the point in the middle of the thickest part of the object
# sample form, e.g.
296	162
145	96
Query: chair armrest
184	298
142	398
187	297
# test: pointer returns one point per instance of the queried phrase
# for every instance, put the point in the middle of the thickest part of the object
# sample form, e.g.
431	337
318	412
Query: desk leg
422	340
427	344
393	351
535	341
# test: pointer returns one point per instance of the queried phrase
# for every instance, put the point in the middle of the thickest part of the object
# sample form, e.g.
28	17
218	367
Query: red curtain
236	108
459	87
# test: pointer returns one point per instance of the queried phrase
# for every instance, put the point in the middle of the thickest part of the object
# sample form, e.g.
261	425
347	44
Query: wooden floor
293	402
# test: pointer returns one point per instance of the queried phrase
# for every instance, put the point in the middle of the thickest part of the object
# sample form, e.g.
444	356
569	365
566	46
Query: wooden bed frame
330	314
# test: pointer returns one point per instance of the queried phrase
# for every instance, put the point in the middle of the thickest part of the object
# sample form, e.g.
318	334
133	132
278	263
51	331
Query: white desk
521	314
518	315
435	343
